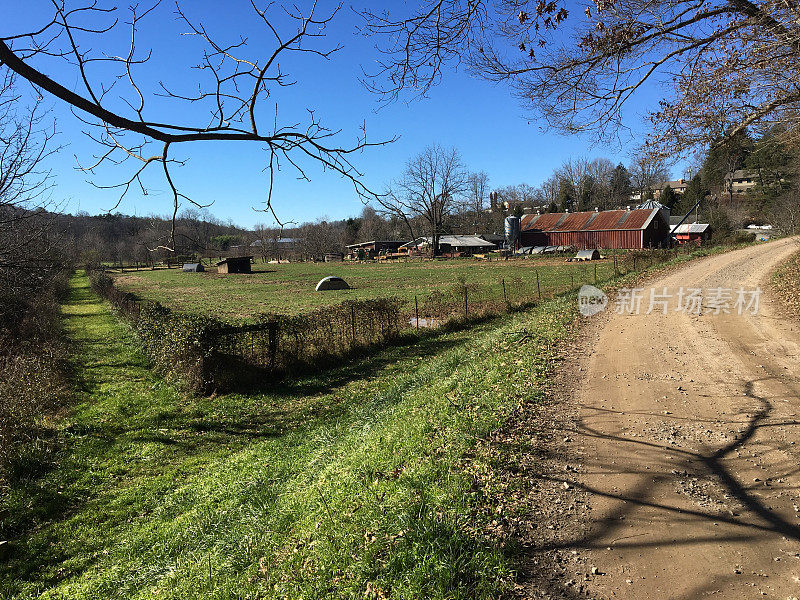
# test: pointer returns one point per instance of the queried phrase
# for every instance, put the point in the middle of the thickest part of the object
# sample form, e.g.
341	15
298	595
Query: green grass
360	481
346	484
289	288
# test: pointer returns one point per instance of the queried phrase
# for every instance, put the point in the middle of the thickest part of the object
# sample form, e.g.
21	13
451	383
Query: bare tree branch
231	89
725	65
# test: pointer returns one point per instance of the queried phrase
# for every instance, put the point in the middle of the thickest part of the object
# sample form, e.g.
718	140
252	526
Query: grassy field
350	483
289	288
363	481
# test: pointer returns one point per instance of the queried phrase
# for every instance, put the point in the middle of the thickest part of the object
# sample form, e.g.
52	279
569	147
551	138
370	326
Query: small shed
692	233
332	283
373	248
450	244
587	255
235	264
193	267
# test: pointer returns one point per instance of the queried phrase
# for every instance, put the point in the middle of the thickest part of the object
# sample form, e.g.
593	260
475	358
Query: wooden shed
235	264
373	248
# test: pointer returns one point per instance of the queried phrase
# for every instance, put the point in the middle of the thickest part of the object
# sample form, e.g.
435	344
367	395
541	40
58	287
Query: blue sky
490	128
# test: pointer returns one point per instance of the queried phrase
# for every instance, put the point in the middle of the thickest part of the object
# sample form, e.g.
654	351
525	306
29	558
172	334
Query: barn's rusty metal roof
578	221
607	220
544	222
638	219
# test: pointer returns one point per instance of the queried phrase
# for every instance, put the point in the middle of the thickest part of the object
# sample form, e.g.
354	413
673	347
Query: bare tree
429	189
731	64
27	243
508	197
478	192
784	213
374	227
547	193
647	172
231	100
320	238
265	240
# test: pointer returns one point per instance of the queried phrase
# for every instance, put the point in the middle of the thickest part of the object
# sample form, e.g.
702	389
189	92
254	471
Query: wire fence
216	355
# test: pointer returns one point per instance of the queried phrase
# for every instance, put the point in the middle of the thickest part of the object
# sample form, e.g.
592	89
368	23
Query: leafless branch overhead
724	66
234	98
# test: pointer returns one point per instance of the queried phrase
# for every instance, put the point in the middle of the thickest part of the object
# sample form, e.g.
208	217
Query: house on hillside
741	180
678	186
638	228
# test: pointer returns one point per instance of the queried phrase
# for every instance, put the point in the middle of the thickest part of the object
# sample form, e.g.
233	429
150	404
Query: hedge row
208	355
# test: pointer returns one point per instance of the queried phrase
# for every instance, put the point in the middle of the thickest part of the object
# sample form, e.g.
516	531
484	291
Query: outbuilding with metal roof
638	228
692	233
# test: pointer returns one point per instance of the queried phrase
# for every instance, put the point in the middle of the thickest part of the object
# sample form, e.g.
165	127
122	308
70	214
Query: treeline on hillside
578	184
764	160
767	162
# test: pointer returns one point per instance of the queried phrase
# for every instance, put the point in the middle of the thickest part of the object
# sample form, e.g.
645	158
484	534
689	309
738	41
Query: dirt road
689	429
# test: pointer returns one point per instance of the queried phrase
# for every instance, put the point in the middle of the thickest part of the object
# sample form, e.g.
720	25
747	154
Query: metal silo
512	231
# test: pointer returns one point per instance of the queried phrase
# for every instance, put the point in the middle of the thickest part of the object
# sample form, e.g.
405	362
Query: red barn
639	228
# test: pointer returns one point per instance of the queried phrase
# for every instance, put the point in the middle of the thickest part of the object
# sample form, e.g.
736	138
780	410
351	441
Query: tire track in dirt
689	433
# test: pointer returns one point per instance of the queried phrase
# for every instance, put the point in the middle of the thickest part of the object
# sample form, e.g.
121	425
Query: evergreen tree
772	164
668	197
620	185
566	195
694	192
723	160
586	196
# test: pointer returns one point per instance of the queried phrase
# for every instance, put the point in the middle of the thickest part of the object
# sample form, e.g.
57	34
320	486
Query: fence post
353	321
465	301
505	297
595	273
273	343
538	288
572	280
416	311
634	262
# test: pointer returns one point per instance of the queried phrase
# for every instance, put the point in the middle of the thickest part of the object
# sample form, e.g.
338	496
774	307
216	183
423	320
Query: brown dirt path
689	433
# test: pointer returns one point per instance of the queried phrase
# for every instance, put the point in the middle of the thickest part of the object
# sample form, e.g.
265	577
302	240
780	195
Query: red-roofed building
640	228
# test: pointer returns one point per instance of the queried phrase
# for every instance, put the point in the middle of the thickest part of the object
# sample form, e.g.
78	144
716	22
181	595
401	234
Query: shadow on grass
325	373
127	411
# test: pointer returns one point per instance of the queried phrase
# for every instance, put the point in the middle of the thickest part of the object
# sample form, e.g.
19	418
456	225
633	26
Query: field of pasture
289	288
